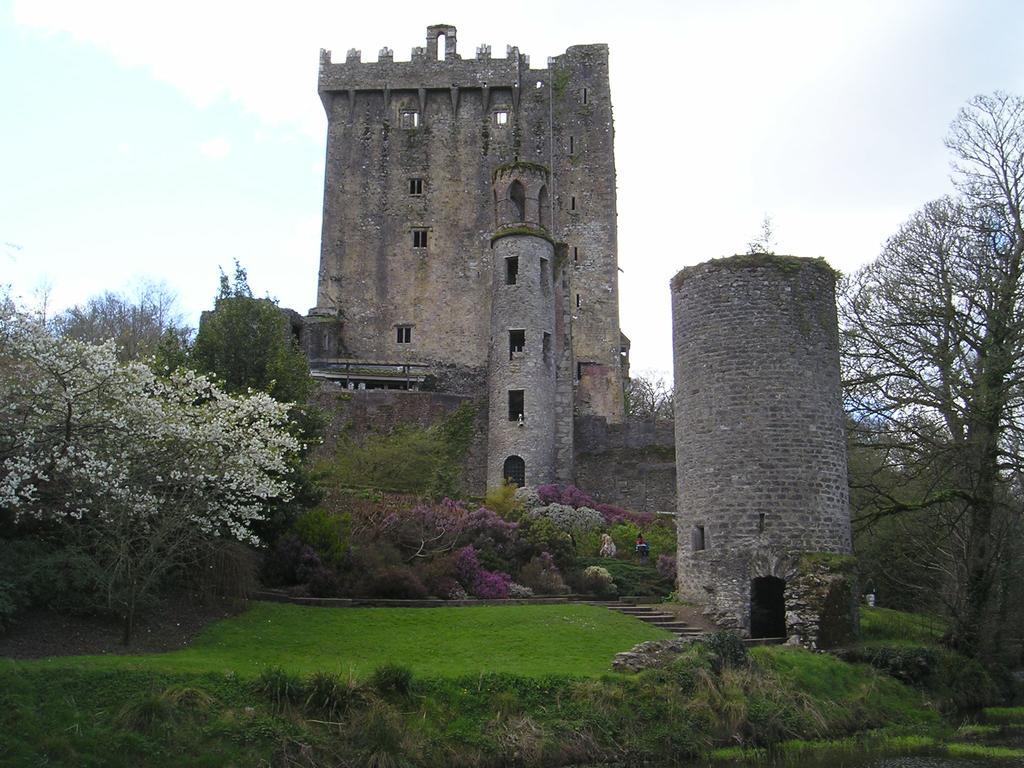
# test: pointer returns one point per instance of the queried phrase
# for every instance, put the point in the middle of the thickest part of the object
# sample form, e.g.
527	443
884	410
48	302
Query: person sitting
642	548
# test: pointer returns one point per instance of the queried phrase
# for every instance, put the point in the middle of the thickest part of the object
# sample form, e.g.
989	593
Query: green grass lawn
899	628
528	640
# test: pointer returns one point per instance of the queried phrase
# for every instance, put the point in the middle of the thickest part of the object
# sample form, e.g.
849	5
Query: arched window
517	195
544	205
768	607
514	470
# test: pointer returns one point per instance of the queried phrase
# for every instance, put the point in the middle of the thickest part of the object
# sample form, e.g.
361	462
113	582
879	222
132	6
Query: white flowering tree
139	471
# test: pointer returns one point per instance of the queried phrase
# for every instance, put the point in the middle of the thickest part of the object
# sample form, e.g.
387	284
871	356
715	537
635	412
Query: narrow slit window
572	145
575	255
516	399
419	238
409	118
501	117
578	302
403	334
584	95
511	270
416	186
760	522
546	348
572	203
697	542
543	273
516	342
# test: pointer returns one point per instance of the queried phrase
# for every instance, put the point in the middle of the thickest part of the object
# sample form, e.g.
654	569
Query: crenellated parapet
427	70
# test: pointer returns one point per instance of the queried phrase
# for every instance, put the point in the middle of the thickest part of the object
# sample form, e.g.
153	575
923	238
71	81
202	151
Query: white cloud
216	148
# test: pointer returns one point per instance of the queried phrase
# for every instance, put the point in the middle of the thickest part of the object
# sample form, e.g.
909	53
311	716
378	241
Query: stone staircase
651	614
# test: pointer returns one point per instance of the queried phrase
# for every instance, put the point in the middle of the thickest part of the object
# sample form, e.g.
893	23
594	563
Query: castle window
543	274
697	538
409	118
547	347
572	145
575	255
584	95
760	522
419	238
514	471
511	270
578	302
501	117
544	207
415	186
516	342
517	194
572	203
516	399
403	334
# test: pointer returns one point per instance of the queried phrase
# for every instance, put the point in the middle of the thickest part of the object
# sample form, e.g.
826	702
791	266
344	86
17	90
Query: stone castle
469	253
469	241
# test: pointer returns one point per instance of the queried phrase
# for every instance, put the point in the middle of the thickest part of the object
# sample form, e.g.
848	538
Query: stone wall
631	464
357	414
761	454
473	116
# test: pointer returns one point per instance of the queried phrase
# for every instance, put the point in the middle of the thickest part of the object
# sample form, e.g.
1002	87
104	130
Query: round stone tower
763	516
521	373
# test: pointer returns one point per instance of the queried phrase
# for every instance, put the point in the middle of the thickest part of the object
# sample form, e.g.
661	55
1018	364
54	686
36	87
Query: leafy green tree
247	343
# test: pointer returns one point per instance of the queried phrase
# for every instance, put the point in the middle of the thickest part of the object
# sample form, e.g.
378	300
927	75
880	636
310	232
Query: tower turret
521	370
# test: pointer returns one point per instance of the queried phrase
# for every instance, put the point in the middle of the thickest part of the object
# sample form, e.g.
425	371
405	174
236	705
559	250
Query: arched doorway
514	470
767	607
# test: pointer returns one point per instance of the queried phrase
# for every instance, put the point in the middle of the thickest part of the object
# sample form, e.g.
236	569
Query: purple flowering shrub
569	495
479	582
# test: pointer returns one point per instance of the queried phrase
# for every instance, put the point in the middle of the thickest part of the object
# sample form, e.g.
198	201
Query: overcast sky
159	141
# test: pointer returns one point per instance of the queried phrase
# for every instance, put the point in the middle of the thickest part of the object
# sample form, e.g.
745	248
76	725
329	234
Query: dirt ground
171	625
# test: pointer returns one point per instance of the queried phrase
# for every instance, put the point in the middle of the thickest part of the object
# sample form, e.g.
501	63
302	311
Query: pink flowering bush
569	495
487	585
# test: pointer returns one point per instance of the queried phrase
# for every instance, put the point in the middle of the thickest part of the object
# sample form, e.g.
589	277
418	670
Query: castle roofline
781	262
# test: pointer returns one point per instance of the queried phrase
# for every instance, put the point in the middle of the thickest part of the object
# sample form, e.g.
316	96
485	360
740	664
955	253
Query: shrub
398	583
282	561
542	535
282	688
527	499
667	567
392	679
519	591
633	577
487	585
334	695
492	585
542	575
504	501
570	519
598	581
614	515
728	650
323	582
326	533
909	664
568	495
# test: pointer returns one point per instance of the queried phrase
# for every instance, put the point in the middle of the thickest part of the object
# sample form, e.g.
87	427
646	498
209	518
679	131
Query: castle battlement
425	70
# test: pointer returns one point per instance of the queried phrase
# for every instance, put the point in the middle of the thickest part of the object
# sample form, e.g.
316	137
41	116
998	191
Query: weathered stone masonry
422	158
760	449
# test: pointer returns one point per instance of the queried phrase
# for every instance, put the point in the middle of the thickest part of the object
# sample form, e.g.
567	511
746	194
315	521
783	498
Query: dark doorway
515	471
767	607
